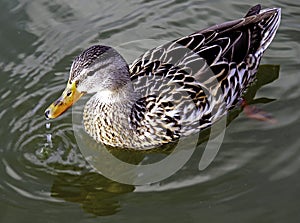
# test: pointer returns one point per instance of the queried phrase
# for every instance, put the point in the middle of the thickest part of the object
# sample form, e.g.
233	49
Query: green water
45	178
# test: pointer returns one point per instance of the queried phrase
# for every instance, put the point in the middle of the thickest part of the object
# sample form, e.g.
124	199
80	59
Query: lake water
45	177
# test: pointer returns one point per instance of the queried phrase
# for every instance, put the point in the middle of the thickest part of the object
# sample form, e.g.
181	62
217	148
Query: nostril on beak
47	114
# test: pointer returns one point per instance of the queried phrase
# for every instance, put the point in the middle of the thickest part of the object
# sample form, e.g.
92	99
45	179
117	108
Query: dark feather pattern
226	54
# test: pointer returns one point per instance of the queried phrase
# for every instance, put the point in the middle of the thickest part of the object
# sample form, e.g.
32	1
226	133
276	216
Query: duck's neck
106	116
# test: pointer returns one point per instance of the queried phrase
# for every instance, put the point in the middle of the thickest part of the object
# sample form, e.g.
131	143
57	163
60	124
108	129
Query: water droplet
49	140
48	125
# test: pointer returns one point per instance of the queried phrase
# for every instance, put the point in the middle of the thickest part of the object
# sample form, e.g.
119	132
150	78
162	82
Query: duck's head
98	68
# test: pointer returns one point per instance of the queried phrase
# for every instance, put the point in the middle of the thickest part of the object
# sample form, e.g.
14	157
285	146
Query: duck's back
187	84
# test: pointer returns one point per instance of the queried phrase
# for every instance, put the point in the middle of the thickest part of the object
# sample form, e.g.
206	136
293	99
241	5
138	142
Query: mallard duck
171	91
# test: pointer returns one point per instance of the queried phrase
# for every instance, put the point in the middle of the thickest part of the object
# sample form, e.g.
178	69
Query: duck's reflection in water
97	194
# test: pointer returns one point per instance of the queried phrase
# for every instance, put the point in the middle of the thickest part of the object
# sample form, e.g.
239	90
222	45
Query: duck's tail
266	28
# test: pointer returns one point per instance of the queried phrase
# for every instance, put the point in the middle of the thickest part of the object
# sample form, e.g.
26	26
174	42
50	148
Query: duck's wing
249	35
230	42
212	67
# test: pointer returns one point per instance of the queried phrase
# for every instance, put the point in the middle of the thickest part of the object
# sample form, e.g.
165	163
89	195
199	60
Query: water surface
45	177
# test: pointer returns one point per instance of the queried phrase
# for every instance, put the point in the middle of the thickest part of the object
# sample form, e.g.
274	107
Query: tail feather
268	28
253	11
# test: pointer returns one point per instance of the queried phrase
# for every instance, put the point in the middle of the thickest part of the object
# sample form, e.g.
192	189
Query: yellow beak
65	101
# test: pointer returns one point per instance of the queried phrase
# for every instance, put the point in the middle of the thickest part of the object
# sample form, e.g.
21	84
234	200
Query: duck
174	90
